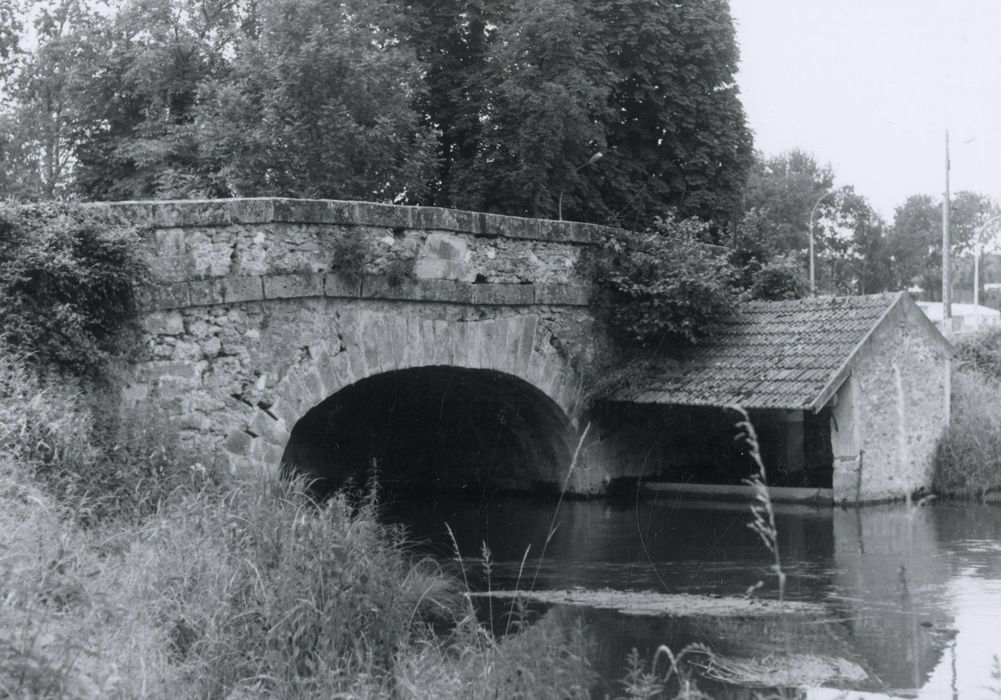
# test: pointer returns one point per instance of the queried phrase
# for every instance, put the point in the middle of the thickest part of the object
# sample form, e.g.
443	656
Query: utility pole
946	260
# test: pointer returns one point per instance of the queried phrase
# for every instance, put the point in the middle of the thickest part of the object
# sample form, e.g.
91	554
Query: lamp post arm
813	214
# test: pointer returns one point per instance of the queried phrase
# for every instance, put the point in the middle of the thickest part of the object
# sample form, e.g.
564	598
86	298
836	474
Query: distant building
849	396
965	317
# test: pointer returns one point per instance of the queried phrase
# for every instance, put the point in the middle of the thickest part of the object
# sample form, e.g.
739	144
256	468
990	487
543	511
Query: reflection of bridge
412	335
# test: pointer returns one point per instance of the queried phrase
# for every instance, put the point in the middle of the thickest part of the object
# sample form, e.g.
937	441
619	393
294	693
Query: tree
677	138
915	241
318	104
783	190
450	38
40	130
149	63
547	80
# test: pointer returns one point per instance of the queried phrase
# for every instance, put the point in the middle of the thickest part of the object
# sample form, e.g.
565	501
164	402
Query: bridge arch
507	372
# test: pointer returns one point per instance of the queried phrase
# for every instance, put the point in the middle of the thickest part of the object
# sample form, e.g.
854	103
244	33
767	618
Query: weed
350	253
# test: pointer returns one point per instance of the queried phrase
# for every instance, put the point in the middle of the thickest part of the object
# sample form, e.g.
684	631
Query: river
908	598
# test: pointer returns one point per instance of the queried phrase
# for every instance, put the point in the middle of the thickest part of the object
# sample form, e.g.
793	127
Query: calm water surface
914	598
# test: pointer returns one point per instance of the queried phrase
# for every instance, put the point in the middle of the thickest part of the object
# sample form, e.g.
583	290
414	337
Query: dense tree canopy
500	106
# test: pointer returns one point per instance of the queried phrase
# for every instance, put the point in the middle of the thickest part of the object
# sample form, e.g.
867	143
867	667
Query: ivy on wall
69	287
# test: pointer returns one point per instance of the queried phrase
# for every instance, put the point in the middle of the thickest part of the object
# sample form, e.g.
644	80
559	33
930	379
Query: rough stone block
239	442
382	215
429	351
163	323
174	295
413	346
336	284
445	256
490	356
169	242
237	289
526	341
269	429
206	292
135	214
561	294
253	210
314	386
173	268
503	294
447	291
313	211
434	218
379	287
442	343
206	212
293	286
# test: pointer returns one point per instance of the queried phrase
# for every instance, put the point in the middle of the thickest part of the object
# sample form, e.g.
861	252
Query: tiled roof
778	354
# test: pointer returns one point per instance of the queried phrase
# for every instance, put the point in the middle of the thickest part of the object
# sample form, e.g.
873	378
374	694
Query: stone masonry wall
262	308
896	424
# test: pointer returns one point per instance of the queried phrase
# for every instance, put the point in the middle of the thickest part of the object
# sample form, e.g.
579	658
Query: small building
966	318
848	396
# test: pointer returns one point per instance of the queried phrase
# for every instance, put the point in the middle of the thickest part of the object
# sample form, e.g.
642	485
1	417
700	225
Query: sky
871	86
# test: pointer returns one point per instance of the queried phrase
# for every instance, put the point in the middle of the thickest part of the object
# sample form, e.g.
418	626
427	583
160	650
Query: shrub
778	279
665	285
69	287
981	352
968	459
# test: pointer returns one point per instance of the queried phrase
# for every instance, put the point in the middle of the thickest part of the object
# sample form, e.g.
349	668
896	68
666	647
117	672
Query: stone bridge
450	347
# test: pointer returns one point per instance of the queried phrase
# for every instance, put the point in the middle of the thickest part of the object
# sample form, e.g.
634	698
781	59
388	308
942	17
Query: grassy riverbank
128	572
968	461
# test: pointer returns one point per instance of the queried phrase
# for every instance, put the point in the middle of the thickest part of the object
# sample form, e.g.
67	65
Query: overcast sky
870	86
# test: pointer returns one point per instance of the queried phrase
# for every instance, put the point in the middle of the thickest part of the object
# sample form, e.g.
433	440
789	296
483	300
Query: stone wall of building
262	309
891	411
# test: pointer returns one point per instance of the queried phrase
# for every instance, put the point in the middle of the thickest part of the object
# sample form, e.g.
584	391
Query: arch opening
434	428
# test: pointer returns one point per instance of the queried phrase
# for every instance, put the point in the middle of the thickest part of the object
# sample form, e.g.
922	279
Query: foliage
968	456
677	137
915	241
980	352
69	287
780	278
96	463
253	590
546	74
350	254
666	286
785	193
457	103
318	104
781	192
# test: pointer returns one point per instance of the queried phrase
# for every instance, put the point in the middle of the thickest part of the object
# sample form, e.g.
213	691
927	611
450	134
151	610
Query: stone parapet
173	214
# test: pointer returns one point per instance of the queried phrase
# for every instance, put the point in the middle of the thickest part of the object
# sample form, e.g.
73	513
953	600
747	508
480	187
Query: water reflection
913	597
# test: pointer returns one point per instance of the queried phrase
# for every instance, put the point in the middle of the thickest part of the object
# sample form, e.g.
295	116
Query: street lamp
813	213
598	155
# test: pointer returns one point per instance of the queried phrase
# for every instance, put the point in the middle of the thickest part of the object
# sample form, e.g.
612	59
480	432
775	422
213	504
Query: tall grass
236	590
968	458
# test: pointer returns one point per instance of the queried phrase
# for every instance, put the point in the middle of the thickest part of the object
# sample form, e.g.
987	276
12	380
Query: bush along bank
968	460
